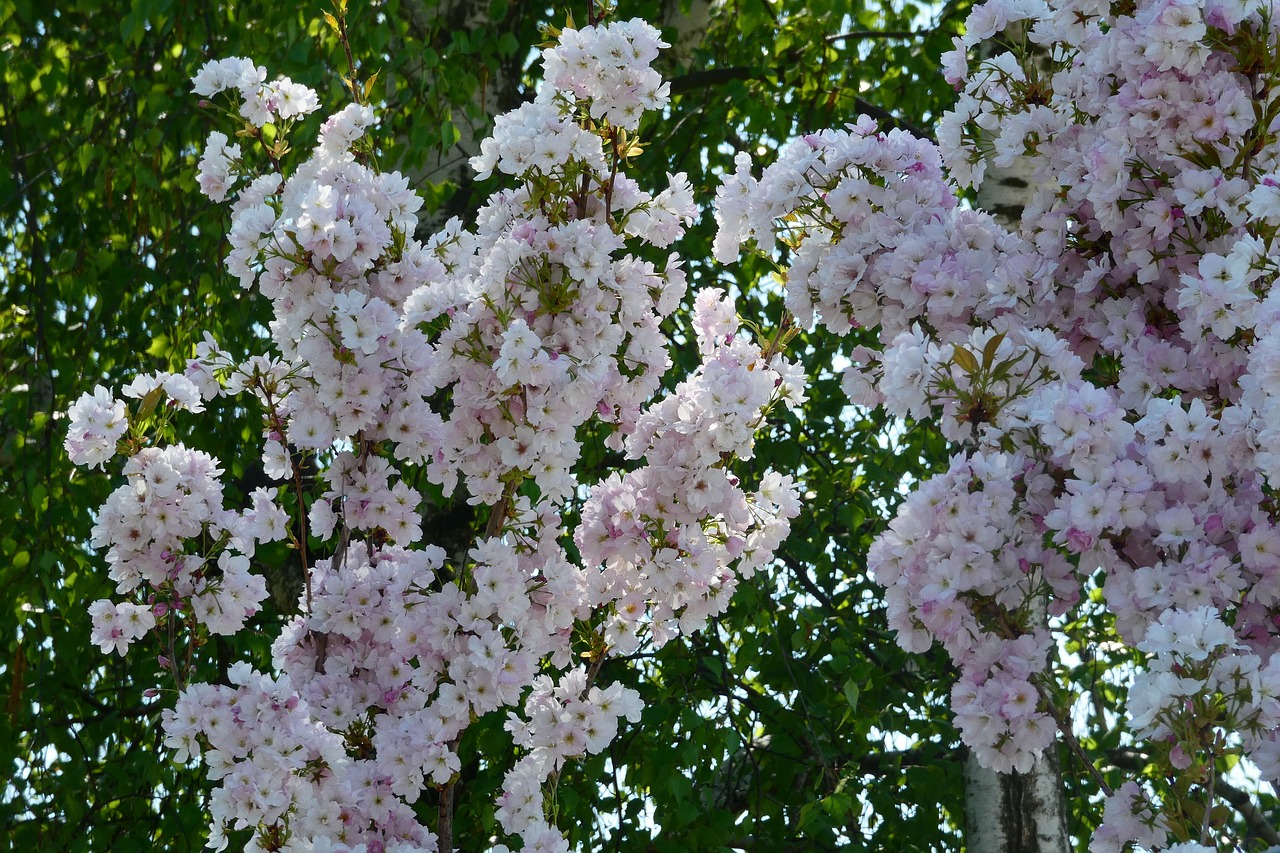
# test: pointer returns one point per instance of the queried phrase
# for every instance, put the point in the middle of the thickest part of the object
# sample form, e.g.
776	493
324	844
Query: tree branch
895	122
715	77
878	34
1064	728
444	826
719	76
805	581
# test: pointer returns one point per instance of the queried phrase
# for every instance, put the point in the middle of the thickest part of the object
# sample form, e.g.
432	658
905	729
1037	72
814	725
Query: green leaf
965	359
851	694
989	351
147	405
449	135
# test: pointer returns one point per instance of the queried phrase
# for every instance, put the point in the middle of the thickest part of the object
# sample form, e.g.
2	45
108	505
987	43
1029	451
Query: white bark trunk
1014	813
686	27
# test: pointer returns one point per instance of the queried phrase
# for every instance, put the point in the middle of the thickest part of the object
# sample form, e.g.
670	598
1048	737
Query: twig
878	34
613	176
498	515
1208	805
346	47
1070	737
807	582
781	337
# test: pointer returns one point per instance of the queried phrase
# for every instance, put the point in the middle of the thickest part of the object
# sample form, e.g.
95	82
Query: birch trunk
1014	812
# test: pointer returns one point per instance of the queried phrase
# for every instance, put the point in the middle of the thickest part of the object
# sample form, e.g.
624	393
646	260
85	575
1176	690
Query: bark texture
1015	812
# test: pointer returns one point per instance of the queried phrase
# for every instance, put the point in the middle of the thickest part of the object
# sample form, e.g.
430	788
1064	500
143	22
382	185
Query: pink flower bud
1078	540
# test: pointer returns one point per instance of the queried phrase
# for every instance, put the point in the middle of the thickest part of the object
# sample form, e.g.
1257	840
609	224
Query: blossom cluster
959	548
1106	366
609	69
1199	677
561	720
98	422
260	100
172	495
471	361
648	527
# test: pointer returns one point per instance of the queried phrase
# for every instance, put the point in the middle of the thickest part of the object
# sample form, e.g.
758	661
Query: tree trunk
432	24
1015	812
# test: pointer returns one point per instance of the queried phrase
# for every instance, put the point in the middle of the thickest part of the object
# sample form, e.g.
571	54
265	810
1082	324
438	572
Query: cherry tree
1103	371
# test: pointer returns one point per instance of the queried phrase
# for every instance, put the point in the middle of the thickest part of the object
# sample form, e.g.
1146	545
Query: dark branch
719	76
885	117
715	77
878	34
805	581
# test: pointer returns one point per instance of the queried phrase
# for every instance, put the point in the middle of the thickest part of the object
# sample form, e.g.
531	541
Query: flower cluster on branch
475	360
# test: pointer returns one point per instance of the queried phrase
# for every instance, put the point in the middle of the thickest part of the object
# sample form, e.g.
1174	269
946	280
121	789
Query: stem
552	782
346	48
581	212
300	539
613	176
365	447
1070	738
191	650
780	337
269	150
1208	800
444	827
498	515
444	822
592	672
173	649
